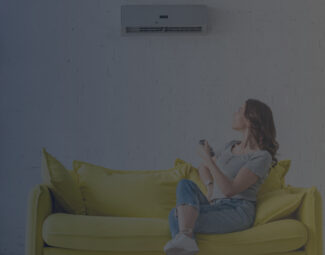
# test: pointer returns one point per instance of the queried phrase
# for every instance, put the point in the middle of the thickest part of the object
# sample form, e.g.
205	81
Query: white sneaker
181	244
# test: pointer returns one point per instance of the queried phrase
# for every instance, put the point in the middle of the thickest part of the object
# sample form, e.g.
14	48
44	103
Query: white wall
72	84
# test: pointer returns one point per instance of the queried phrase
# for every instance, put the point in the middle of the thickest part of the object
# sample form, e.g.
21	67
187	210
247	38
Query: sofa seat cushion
63	251
107	233
100	233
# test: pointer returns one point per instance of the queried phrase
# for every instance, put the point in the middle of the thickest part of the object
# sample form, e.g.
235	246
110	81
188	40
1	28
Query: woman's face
239	120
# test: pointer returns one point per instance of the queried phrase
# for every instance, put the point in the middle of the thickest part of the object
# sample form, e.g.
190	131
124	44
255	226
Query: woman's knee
184	182
186	187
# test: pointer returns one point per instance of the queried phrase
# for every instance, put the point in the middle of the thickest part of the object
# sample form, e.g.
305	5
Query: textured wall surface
72	84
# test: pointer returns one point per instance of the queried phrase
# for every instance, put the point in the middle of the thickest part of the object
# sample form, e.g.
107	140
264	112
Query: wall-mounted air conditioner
164	19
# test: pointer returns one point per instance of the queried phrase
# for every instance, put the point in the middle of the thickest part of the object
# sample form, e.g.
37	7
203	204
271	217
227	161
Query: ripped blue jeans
221	216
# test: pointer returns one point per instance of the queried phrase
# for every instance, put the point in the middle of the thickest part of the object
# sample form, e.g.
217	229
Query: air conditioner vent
147	19
163	29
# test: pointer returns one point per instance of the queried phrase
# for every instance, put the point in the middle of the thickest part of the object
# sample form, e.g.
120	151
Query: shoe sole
179	251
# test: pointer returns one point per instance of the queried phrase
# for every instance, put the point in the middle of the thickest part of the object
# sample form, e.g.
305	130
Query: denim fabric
221	216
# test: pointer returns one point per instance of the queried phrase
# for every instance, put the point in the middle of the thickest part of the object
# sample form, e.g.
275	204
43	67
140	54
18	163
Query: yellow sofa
103	230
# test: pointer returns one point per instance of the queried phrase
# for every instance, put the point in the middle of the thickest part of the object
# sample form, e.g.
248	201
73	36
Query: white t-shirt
258	161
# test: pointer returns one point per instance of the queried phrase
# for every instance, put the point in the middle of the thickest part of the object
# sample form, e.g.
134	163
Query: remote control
202	141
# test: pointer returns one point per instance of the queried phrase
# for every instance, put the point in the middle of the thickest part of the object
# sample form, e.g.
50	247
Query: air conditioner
163	19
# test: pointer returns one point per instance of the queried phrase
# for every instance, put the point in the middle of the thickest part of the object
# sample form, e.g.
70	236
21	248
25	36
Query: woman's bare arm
207	179
205	174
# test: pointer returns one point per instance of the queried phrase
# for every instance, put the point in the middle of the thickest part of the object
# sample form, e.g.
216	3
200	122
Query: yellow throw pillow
63	184
276	177
129	193
277	204
193	174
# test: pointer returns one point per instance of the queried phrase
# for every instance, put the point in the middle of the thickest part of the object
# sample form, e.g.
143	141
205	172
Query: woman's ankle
188	232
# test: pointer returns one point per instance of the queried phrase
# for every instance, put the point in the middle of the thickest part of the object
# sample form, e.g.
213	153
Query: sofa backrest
131	193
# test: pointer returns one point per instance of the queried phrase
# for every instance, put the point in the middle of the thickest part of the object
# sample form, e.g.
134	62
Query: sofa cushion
310	213
106	233
193	174
276	177
277	204
48	250
135	193
62	184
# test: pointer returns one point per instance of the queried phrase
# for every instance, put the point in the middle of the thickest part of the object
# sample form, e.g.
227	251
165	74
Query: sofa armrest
310	213
39	207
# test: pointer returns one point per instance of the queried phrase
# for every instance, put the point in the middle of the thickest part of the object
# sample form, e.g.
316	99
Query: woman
232	177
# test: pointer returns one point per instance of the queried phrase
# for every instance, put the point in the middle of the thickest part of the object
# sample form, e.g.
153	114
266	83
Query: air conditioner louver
163	29
155	19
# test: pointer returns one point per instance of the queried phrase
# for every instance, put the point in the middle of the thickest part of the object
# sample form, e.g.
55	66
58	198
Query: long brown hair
262	126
